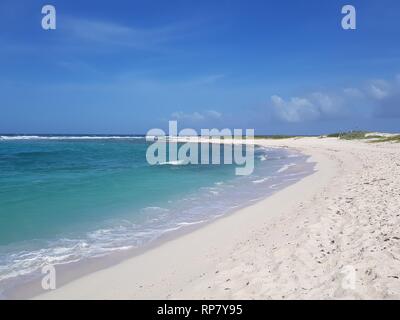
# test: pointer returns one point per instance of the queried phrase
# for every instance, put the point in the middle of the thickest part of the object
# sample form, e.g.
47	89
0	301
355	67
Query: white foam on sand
261	180
286	167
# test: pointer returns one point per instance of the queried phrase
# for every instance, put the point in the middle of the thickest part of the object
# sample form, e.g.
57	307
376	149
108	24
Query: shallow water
65	199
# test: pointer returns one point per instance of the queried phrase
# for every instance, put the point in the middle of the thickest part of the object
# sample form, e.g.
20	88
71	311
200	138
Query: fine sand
333	235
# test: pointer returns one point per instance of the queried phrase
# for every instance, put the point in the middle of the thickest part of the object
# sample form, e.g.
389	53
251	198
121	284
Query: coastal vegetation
364	135
345	135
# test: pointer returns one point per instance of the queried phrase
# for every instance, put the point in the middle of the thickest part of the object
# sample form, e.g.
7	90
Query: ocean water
64	199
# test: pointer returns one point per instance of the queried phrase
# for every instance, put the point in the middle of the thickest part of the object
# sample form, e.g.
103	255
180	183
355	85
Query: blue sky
128	66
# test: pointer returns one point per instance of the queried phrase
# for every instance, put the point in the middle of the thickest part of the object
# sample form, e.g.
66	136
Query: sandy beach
333	235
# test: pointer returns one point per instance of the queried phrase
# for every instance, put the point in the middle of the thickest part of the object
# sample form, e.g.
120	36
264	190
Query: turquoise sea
68	198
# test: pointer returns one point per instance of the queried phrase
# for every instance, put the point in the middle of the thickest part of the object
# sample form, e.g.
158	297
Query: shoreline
73	271
174	246
295	244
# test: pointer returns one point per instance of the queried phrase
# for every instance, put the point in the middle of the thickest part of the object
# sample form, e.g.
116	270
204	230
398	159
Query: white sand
334	234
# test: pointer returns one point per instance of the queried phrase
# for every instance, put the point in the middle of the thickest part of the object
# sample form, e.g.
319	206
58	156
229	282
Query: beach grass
364	135
346	135
354	135
387	139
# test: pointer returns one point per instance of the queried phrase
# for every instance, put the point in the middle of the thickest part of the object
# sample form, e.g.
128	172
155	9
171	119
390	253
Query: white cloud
325	103
386	95
108	33
196	116
179	115
353	92
378	92
299	109
379	98
214	114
